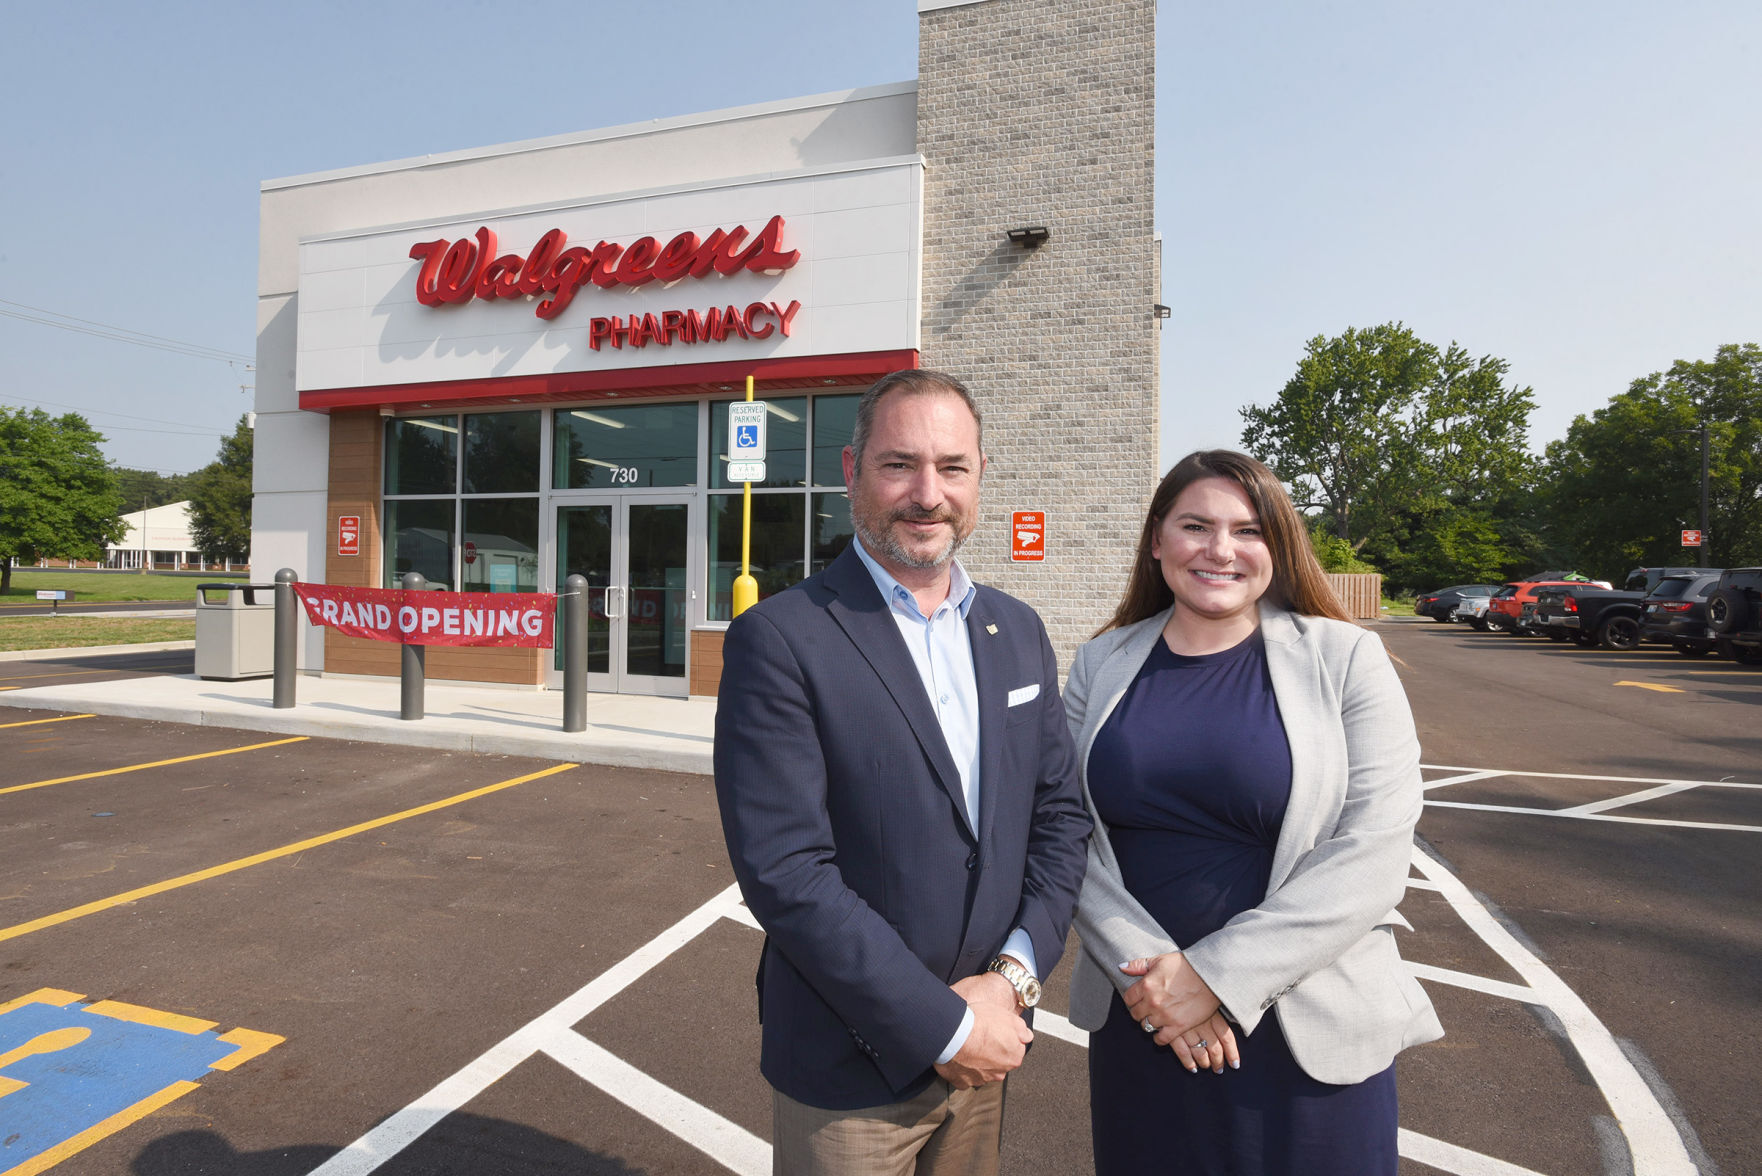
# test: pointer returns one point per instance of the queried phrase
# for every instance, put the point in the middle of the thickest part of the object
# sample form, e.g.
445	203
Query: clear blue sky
1576	187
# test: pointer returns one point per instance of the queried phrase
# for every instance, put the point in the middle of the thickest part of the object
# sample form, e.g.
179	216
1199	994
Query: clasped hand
1184	1010
999	1040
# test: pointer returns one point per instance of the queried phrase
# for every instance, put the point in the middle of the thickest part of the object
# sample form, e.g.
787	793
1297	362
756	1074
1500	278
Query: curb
92	650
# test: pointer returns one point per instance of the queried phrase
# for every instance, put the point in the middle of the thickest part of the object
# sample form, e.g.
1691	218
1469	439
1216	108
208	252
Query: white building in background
157	537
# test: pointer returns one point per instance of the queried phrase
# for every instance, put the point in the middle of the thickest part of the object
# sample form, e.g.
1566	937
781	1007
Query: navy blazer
849	837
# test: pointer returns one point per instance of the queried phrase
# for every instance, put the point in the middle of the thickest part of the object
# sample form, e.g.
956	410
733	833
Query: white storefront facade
503	366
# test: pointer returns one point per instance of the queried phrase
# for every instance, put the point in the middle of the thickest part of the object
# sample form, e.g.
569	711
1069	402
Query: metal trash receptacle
235	631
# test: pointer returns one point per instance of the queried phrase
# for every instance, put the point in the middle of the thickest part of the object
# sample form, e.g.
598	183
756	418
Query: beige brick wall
1042	112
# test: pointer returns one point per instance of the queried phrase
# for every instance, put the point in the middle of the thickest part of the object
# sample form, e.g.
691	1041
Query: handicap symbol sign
746	437
73	1073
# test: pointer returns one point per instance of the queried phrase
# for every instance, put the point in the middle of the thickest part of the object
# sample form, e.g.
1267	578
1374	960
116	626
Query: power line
206	429
67	322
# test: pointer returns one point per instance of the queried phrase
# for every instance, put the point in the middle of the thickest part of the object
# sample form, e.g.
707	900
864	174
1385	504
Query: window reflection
776	550
835	417
421	455
500	552
419	538
501	452
625	446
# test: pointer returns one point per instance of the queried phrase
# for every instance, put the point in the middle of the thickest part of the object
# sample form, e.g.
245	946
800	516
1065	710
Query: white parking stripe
1652	1139
400	1130
1462	779
1467	980
1577	816
1447	1157
726	1142
1578	776
1615	802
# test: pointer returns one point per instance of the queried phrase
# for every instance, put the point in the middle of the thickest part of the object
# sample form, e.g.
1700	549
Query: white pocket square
1024	694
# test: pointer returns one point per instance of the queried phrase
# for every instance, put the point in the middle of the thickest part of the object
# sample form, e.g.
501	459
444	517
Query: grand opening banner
433	618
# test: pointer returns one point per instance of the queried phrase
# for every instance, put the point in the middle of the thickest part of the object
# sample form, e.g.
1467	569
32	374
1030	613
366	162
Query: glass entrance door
633	551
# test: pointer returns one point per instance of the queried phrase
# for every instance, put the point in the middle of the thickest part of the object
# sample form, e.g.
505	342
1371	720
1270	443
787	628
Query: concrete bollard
411	677
287	638
575	653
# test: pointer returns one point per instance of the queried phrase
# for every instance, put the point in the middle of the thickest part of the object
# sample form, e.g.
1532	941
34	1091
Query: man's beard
887	544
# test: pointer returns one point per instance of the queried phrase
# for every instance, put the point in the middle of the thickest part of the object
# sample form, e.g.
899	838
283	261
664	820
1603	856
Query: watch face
1031	993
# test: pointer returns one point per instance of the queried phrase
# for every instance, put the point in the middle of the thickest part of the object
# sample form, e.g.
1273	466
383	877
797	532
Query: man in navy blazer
899	795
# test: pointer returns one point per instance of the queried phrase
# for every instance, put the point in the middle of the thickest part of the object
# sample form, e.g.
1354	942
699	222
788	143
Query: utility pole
1706	557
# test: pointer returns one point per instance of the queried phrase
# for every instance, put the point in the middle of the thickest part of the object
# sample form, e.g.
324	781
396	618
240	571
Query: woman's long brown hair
1298	582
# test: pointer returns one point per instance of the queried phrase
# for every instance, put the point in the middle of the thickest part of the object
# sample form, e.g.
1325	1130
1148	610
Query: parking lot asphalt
495	964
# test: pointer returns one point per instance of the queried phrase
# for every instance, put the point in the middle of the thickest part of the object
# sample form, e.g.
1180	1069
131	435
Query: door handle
610	614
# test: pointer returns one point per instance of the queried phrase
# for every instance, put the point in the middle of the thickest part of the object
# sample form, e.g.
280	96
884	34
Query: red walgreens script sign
1691	538
1028	536
433	618
458	271
348	535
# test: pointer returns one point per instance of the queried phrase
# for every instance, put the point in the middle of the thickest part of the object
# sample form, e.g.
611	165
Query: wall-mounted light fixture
1162	312
1030	237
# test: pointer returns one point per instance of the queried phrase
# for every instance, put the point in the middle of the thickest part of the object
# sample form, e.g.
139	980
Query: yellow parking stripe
1653	686
182	759
257	859
58	719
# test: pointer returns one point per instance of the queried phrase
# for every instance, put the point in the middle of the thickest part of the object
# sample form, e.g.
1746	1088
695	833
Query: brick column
1042	112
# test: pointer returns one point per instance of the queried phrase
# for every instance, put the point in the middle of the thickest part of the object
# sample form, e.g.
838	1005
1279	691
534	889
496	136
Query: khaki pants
941	1132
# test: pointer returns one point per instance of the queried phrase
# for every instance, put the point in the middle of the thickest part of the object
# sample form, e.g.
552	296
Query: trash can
235	631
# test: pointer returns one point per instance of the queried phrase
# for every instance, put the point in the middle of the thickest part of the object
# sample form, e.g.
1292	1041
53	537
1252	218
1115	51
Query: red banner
433	618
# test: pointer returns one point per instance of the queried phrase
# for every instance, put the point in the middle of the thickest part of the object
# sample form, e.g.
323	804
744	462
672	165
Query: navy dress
1191	774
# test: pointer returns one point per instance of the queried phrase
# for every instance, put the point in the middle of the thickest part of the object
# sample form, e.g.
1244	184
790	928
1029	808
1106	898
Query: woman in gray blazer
1251	764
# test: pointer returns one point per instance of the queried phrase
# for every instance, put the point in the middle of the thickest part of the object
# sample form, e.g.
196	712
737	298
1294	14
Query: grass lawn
111	586
70	632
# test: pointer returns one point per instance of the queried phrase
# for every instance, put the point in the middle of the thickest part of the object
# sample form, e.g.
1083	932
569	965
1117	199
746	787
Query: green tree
1410	452
143	489
58	495
1624	481
220	498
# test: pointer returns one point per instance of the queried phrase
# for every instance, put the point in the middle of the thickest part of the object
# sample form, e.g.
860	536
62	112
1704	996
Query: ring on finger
1201	1043
1147	1026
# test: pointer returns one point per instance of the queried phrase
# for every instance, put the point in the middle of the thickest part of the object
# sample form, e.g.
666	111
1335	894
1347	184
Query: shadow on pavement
462	1145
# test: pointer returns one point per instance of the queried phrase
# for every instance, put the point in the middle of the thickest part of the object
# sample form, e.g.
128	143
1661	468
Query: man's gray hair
911	382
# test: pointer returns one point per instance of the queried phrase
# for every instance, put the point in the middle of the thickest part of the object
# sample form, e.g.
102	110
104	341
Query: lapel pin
991	629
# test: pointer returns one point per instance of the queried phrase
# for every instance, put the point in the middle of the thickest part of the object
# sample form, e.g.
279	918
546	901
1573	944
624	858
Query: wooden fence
1360	592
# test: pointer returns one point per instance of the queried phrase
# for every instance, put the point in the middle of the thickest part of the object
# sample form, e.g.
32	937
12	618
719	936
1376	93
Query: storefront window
625	446
831	530
500	552
501	452
421	455
419	538
786	437
834	419
776	550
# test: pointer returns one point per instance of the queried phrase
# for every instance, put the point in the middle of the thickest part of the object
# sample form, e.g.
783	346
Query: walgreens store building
504	366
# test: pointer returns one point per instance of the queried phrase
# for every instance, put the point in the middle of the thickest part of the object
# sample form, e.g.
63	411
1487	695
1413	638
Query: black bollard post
575	653
287	638
411	679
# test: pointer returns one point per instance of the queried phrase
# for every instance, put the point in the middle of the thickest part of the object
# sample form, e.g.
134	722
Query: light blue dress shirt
942	651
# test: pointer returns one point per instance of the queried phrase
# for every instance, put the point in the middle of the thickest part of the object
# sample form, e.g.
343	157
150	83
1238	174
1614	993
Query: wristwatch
1027	988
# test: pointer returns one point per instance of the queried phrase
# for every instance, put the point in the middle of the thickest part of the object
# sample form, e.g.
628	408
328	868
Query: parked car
1590	616
1734	614
1440	604
1675	614
1646	579
1506	609
1472	611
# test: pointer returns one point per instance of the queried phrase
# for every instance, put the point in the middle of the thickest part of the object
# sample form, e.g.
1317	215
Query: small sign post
55	596
746	464
1028	536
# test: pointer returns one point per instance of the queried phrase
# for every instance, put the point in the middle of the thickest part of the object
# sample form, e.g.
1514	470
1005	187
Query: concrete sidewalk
671	734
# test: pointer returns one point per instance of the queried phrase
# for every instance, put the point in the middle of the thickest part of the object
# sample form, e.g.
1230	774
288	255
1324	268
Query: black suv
1675	614
1440	604
1734	614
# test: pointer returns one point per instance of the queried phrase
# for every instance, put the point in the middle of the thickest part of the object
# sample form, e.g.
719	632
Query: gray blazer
1321	948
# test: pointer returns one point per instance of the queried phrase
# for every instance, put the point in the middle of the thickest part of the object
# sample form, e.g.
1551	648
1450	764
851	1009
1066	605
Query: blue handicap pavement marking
72	1073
